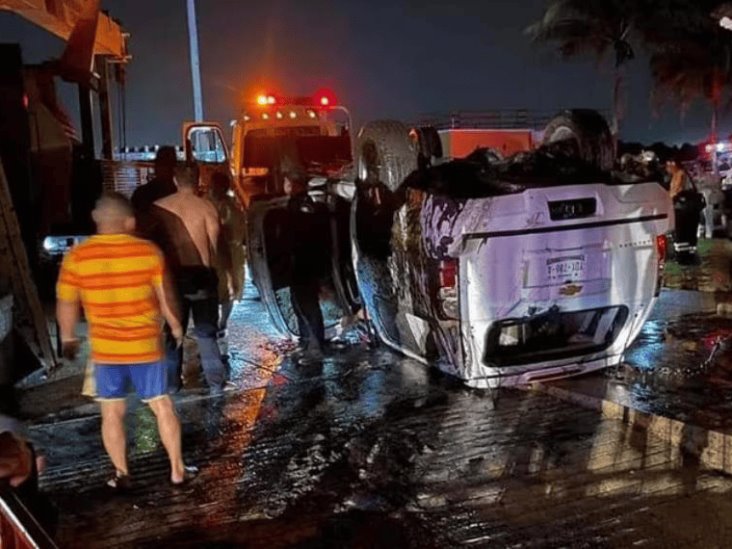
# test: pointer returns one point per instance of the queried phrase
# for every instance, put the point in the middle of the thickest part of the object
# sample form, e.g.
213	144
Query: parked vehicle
710	185
499	272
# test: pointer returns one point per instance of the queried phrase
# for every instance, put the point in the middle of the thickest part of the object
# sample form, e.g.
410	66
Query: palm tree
595	27
691	57
686	74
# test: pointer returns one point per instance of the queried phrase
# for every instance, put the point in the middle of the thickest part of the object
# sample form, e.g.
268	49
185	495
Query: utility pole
195	62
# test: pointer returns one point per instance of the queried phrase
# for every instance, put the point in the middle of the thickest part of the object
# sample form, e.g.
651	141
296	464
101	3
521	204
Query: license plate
563	210
565	268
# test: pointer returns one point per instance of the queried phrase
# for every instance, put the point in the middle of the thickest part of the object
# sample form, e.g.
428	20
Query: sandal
119	483
189	473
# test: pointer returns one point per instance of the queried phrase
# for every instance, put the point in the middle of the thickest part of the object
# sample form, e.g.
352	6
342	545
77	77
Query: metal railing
125	176
146	152
504	119
18	528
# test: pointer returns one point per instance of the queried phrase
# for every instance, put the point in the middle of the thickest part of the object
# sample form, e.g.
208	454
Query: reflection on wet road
680	367
708	272
372	450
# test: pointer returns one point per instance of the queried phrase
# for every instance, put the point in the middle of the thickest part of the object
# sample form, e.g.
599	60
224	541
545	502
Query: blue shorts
149	380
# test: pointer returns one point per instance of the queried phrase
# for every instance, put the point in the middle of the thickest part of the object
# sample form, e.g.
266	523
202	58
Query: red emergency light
325	98
322	98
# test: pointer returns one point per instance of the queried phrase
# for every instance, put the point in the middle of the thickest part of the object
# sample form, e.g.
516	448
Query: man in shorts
118	280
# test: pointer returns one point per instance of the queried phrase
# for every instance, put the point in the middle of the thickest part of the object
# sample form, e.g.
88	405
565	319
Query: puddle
681	368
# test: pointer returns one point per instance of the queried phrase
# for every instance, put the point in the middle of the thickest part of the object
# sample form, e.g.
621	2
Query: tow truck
276	134
310	136
271	135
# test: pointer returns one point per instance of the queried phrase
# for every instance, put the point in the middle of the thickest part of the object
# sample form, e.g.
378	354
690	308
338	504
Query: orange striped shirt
114	277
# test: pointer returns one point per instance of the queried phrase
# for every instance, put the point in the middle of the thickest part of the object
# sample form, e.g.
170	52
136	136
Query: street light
195	62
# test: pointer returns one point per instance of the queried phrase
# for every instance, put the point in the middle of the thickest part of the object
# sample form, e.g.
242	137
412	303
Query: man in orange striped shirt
118	280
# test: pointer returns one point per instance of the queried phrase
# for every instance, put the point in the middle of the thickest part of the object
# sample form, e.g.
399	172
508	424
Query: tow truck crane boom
59	17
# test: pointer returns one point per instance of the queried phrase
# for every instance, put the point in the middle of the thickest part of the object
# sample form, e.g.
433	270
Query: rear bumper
478	373
493	379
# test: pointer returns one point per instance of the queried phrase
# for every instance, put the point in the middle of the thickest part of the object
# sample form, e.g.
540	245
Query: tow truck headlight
57	246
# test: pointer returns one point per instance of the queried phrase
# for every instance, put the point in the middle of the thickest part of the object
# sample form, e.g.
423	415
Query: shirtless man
189	234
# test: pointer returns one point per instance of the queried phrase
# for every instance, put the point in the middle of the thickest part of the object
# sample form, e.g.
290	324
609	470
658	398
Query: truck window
207	145
305	144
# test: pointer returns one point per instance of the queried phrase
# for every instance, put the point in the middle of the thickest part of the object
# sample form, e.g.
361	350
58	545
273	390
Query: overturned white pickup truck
499	272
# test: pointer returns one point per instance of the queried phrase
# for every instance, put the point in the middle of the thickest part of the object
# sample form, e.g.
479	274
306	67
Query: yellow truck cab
276	135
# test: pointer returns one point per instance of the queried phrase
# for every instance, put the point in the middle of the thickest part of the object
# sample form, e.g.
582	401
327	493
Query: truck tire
428	143
385	153
590	133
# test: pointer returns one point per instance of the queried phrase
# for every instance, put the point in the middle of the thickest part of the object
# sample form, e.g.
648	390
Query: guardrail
146	152
18	528
124	176
504	119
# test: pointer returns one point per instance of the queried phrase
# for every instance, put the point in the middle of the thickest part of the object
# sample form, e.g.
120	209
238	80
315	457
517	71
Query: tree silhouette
600	28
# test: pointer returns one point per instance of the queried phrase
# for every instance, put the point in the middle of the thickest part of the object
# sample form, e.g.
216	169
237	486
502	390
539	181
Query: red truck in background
459	143
506	132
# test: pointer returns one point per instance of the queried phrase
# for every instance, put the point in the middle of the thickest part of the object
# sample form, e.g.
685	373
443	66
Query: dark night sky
383	58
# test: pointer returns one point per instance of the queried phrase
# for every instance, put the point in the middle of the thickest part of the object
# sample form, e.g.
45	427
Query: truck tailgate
561	273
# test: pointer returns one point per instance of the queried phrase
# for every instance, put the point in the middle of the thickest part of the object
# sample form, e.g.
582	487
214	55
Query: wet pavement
373	450
709	271
680	366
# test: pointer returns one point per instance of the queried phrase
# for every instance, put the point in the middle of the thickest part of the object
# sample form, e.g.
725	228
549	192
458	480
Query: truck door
204	144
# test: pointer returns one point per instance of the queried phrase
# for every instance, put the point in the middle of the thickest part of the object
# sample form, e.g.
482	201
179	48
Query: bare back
200	218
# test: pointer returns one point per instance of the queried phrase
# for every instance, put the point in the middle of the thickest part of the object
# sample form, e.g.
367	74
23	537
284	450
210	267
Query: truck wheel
428	144
590	133
385	153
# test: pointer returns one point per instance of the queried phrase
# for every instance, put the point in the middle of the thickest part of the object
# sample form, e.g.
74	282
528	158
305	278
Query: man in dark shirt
162	185
306	270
